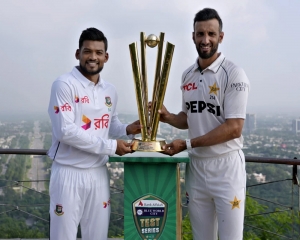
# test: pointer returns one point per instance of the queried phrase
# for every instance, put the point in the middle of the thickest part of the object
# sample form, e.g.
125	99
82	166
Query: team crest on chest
108	101
58	210
214	89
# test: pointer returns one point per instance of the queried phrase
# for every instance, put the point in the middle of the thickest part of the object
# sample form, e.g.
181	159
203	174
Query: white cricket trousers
79	196
216	190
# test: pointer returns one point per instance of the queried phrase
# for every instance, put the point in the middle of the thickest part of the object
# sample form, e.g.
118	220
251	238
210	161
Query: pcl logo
190	86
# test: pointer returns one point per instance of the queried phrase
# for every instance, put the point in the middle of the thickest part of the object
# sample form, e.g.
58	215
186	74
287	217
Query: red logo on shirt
66	107
187	197
101	122
87	122
106	204
56	109
190	86
85	99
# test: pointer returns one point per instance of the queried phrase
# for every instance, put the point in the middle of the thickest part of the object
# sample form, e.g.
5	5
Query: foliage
19	224
116	225
119	236
12	228
186	228
268	226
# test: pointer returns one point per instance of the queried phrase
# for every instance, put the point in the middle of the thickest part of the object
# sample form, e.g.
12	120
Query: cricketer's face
91	56
207	37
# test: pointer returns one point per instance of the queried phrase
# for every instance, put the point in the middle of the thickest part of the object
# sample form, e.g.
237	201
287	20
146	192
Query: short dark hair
208	14
92	34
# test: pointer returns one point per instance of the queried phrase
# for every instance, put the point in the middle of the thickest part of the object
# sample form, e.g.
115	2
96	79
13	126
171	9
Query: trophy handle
139	90
161	88
157	78
144	81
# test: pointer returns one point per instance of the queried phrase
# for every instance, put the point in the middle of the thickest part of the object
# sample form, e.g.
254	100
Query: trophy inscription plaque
150	119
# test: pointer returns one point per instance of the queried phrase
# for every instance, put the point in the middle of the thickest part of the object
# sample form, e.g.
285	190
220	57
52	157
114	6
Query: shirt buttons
201	80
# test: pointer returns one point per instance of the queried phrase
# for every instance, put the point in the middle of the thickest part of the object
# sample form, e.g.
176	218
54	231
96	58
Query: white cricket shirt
211	96
83	117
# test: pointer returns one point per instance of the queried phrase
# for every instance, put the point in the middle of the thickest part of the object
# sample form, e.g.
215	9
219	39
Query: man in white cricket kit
84	120
214	99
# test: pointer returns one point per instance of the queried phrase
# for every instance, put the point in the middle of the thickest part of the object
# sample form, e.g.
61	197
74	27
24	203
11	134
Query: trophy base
149	146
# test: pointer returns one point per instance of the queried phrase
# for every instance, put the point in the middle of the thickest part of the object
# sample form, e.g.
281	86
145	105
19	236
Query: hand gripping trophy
150	119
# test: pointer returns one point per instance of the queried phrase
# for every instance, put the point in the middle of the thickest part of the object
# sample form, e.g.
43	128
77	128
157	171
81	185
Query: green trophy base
152	198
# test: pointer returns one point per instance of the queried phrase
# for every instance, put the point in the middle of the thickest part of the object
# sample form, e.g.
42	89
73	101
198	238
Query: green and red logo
59	210
108	101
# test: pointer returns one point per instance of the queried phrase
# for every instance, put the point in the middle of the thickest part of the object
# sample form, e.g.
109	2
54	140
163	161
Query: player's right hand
163	112
123	147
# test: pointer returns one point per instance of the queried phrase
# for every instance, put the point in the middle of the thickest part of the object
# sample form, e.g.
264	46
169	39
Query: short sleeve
236	94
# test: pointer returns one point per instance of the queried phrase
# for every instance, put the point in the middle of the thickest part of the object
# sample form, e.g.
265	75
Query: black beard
207	55
87	72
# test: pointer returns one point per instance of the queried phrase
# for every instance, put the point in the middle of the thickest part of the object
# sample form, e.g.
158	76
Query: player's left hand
174	147
134	128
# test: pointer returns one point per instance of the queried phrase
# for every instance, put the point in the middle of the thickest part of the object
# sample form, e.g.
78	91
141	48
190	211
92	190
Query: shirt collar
213	67
83	80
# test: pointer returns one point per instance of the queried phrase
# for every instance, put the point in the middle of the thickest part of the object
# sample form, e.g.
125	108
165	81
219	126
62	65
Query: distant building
250	123
296	126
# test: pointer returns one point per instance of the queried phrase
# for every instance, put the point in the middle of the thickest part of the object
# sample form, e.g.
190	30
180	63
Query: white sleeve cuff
113	147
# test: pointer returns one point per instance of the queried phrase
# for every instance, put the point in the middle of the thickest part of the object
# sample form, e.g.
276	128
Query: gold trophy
150	119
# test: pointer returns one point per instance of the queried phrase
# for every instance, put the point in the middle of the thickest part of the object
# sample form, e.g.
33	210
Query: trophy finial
152	40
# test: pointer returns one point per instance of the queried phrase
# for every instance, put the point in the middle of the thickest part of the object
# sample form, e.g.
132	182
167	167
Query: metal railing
292	208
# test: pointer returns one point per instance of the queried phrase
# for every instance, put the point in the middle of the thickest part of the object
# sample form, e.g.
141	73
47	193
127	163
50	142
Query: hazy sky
38	40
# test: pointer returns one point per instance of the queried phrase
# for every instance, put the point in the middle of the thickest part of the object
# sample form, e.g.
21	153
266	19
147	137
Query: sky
38	40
